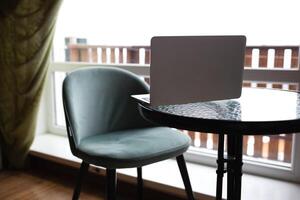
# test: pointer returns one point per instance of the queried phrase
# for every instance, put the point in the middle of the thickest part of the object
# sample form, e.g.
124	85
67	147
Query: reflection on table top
255	105
256	112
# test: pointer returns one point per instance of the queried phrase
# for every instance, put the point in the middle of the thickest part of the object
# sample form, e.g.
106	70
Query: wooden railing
272	57
283	58
286	57
108	54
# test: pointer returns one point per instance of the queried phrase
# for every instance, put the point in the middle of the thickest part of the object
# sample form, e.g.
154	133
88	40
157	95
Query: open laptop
187	69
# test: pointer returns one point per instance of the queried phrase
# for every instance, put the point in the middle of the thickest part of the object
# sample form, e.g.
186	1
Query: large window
119	32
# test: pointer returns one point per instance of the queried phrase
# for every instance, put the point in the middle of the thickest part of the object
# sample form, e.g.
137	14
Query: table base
234	163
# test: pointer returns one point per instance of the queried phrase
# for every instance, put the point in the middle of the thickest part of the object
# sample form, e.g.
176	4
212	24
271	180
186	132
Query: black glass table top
253	105
262	107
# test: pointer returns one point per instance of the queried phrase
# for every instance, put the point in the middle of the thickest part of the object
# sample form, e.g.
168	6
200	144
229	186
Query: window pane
275	149
119	32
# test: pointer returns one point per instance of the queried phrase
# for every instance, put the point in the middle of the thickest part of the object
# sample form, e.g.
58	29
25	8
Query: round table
256	112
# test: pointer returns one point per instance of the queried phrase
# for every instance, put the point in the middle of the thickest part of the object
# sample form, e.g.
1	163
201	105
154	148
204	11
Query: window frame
205	158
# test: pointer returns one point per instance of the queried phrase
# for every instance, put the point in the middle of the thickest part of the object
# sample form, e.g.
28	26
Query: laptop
188	69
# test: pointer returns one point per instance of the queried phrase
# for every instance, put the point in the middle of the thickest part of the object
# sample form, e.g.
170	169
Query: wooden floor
28	185
45	180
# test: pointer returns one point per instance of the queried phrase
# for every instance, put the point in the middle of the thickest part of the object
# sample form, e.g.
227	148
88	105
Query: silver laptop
187	69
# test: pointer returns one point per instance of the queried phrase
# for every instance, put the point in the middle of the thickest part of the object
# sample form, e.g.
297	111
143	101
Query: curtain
26	32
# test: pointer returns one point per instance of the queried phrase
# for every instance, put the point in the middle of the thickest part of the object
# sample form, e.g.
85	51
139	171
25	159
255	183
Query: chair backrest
97	100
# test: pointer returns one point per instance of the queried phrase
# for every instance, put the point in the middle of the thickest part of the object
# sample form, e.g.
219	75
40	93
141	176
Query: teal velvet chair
105	128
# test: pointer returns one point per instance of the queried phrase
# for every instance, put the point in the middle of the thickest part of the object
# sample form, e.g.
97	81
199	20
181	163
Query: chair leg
140	183
185	177
83	169
111	184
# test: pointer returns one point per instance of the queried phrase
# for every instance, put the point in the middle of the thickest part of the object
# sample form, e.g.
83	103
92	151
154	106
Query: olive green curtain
26	32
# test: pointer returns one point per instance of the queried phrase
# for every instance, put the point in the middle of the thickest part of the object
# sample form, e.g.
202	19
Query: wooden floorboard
29	185
46	180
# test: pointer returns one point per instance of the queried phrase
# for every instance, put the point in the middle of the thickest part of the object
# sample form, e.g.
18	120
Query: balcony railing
265	66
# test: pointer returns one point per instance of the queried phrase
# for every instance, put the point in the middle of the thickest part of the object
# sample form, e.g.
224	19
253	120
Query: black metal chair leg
185	177
140	183
83	169
111	184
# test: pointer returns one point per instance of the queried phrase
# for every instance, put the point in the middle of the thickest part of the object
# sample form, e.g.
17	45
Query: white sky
134	22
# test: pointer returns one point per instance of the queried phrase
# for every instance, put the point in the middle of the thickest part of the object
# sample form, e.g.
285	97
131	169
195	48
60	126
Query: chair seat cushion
133	148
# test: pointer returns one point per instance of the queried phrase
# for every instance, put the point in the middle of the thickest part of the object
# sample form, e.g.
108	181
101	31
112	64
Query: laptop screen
187	69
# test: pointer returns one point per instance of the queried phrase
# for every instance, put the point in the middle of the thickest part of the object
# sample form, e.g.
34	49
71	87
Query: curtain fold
26	33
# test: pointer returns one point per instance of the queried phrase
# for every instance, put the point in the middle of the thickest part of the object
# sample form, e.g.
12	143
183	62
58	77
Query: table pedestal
234	163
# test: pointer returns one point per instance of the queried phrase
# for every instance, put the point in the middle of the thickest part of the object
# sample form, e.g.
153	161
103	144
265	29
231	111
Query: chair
105	128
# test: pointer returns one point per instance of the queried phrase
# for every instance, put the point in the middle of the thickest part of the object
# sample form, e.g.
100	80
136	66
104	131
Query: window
118	33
